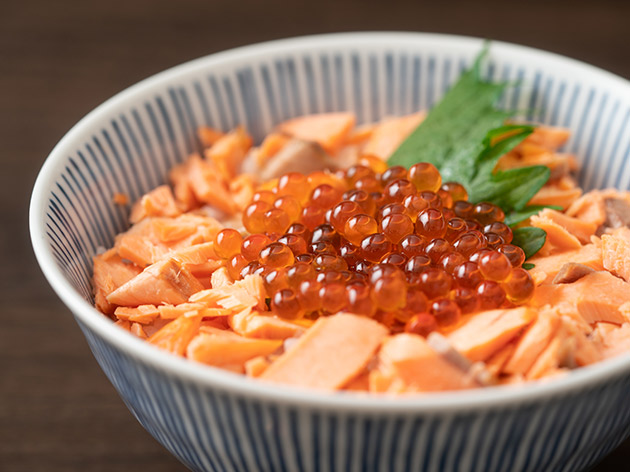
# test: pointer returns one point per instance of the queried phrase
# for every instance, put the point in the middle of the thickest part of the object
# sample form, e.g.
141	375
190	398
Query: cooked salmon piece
242	190
407	363
216	322
220	348
440	344
208	136
552	357
570	272
533	342
558	238
247	293
175	336
360	383
567	349
158	202
120	199
182	188
549	137
547	267
589	208
200	259
555	194
484	333
586	351
347	156
608	208
529	154
208	185
602	329
616	252
221	278
137	329
227	152
582	230
206	229
195	254
390	133
253	324
495	365
256	366
527	148
110	272
560	165
154	239
165	281
204	271
139	250
329	354
329	130
270	146
170	312
361	134
569	315
297	155
169	230
184	230
143	314
596	297
124	324
616	342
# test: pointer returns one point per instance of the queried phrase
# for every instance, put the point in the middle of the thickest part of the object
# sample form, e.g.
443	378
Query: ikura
400	246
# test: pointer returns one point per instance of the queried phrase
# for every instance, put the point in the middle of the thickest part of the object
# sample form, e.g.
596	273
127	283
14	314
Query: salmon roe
390	243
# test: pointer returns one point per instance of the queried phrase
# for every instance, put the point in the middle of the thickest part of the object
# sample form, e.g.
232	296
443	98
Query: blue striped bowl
214	420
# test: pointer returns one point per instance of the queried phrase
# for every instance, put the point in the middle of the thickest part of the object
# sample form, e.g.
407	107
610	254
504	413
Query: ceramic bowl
218	421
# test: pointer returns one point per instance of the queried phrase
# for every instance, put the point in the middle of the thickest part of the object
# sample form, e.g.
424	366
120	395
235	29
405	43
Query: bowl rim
174	366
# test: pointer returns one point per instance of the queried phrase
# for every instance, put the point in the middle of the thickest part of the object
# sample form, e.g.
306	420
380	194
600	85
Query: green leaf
500	140
464	136
529	239
510	189
455	129
528	265
515	217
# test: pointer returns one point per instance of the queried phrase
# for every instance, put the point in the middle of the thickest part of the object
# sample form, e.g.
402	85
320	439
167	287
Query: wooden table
60	59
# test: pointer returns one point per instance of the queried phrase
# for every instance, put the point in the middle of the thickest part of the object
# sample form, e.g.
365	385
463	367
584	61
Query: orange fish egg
358	227
342	212
227	243
253	244
296	185
455	190
425	176
254	216
276	255
393	173
518	286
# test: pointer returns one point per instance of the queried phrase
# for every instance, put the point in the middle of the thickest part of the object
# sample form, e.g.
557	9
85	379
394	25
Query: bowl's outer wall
211	429
149	129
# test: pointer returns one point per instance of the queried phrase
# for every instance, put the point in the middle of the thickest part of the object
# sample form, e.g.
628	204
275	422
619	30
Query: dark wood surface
59	59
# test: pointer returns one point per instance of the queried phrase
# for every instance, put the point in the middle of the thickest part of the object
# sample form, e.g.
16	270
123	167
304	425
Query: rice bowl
206	417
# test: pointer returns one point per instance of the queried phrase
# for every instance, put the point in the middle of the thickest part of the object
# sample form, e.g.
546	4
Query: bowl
215	420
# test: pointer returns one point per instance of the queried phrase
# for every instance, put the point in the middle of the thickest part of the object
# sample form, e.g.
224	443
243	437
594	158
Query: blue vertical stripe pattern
209	429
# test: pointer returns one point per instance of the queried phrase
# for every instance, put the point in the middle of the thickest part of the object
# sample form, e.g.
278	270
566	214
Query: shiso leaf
464	136
529	239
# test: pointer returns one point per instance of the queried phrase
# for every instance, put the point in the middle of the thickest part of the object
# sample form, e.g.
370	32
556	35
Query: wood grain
60	59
